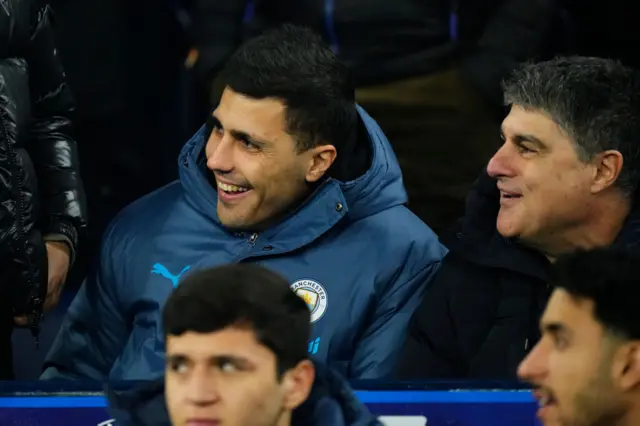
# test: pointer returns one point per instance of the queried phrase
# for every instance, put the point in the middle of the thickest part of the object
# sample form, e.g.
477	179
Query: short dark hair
243	295
294	65
596	101
610	278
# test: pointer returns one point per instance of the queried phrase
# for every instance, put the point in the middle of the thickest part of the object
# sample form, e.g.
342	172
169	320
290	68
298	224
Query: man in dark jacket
41	196
565	178
427	71
236	343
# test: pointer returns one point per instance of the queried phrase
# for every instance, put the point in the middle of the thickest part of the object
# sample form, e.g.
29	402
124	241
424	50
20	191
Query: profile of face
260	173
229	378
582	376
545	187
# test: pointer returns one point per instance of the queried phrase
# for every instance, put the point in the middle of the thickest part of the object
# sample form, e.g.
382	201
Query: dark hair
595	101
242	295
611	279
294	65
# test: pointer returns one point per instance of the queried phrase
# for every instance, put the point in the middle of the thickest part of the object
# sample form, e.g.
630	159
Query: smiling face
258	170
545	187
228	378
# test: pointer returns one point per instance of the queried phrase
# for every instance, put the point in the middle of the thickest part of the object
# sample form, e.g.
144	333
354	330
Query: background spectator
41	197
566	178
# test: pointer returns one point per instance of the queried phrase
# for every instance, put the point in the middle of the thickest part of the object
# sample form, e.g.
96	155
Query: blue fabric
353	246
331	402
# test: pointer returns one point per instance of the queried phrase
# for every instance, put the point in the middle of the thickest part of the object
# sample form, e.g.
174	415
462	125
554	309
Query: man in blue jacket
236	341
289	173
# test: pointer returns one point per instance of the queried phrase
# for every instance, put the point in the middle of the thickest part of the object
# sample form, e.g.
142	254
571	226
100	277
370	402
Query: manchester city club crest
314	295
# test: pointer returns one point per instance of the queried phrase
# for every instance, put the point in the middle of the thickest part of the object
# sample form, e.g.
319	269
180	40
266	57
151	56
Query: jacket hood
331	402
377	188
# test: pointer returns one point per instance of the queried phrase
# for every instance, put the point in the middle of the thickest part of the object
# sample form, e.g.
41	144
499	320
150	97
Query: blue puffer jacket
356	254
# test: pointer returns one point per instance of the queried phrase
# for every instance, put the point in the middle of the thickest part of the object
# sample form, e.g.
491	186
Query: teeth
231	188
543	401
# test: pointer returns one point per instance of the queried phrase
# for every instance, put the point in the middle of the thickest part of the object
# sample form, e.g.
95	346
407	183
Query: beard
594	410
598	403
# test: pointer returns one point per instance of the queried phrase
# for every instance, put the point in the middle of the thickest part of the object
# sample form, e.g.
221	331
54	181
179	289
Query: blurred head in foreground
586	367
236	344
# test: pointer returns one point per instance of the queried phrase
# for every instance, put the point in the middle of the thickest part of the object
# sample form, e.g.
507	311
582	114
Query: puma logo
161	270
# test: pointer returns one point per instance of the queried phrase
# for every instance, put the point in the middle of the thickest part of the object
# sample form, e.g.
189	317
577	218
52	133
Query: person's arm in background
377	352
94	331
518	31
215	32
54	152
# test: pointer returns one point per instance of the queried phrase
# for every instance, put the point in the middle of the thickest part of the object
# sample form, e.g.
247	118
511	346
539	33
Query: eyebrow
239	134
556	328
172	359
525	137
215	360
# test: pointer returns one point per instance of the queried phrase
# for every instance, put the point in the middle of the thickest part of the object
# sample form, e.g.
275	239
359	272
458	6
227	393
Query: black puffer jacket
41	194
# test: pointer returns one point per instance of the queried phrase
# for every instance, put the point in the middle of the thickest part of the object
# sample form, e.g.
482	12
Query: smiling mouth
232	189
506	197
509	194
230	194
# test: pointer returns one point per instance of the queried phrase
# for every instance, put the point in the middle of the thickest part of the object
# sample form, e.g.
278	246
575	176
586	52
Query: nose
220	153
203	390
500	164
534	367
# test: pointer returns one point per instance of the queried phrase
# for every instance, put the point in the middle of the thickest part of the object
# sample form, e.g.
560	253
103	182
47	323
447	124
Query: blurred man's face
545	188
227	378
258	170
573	368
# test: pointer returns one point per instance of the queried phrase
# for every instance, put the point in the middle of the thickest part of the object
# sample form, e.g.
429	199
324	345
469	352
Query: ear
608	167
320	159
627	366
297	384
